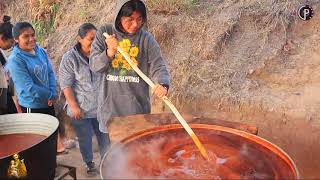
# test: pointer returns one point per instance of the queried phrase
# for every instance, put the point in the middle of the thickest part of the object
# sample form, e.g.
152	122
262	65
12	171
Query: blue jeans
84	129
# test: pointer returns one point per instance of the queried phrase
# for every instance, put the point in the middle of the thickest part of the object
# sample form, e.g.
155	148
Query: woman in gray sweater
122	91
80	86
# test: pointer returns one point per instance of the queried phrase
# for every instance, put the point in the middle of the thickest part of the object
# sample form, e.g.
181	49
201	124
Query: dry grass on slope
211	45
200	62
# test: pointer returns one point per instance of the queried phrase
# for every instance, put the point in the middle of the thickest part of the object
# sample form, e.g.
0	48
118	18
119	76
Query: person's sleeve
158	70
23	81
52	82
66	72
99	61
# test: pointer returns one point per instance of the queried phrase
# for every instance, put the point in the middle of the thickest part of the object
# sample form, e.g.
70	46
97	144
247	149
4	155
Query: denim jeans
84	129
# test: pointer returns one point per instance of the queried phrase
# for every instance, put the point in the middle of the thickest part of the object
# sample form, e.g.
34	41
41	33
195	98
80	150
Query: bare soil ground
74	159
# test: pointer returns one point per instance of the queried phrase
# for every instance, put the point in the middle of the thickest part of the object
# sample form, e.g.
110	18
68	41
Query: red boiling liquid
13	143
173	155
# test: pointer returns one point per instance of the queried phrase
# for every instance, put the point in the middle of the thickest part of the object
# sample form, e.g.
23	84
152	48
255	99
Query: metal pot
28	146
168	152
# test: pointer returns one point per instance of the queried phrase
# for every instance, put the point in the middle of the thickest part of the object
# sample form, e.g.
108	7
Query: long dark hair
19	27
6	28
127	10
84	28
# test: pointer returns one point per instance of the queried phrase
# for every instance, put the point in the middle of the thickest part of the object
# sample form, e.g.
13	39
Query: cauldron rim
256	139
30	123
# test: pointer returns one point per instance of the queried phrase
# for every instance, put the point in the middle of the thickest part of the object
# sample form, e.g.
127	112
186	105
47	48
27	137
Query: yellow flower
122	61
126	50
115	63
134	60
119	57
127	66
125	43
134	51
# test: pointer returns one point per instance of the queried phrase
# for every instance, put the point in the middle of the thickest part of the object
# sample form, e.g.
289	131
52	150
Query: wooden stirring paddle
167	101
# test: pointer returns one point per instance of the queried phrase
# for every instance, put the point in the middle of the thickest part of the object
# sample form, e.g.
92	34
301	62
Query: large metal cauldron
168	152
28	146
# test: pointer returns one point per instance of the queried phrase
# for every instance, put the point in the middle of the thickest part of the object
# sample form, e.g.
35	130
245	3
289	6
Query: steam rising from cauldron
185	164
165	156
120	163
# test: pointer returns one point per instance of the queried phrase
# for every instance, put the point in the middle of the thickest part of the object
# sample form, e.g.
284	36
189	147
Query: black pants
7	105
53	149
11	105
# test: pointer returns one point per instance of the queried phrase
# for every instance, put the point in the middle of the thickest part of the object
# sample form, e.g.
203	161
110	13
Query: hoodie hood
119	5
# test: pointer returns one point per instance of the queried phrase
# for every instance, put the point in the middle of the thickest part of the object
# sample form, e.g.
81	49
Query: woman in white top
7	103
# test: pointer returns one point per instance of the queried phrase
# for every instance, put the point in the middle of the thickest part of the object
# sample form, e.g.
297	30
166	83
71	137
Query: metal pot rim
33	123
258	140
